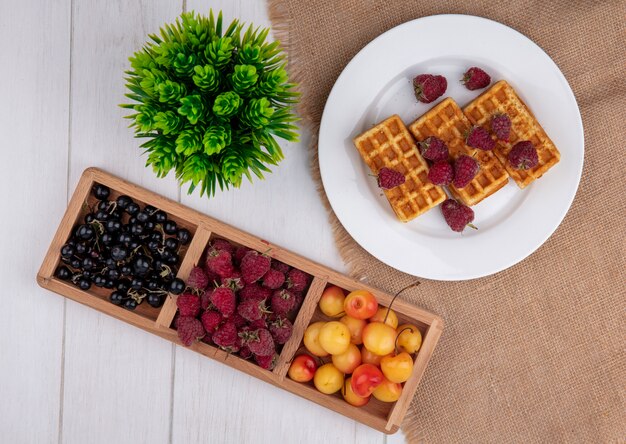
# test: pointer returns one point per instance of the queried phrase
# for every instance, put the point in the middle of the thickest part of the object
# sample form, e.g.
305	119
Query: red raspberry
501	126
281	329
475	78
283	301
478	137
254	266
433	148
429	88
188	304
233	281
259	323
223	244
205	299
254	291
252	310
211	320
238	320
465	169
457	215
280	266
389	178
297	280
240	252
273	279
197	279
267	362
245	352
219	262
523	155
441	173
260	342
226	337
299	297
189	330
224	300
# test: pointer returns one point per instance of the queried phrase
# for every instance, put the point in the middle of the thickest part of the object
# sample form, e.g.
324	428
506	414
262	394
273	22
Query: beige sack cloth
535	353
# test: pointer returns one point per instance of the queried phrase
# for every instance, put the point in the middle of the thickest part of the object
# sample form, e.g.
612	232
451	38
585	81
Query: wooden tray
385	417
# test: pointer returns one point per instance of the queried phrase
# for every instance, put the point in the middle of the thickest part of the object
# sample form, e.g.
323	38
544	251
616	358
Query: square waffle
390	145
501	98
447	122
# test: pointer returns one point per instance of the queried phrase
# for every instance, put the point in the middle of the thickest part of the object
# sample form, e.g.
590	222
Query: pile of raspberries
241	301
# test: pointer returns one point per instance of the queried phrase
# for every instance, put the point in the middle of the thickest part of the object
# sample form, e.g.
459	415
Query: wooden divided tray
385	417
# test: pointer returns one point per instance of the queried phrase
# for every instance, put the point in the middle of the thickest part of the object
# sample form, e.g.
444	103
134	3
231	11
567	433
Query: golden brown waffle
501	98
447	122
390	145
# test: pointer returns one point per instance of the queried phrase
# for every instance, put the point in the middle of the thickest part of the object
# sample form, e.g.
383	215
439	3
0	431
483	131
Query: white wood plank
117	378
216	403
34	79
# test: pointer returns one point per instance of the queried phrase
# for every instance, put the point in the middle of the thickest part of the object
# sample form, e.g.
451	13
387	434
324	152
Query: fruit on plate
328	379
429	87
311	339
387	391
356	327
302	368
397	367
334	337
457	215
347	361
331	301
465	169
409	338
475	78
365	379
379	338
385	315
351	397
360	304
523	156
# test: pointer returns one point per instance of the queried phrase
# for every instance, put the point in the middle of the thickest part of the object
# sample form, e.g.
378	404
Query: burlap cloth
535	353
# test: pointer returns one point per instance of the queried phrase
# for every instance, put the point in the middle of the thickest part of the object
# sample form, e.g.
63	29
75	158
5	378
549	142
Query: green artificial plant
211	102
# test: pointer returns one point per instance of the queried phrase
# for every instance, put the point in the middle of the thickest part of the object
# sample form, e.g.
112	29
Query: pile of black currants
123	247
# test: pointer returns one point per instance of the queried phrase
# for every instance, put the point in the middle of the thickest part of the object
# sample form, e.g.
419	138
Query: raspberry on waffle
390	145
447	121
502	99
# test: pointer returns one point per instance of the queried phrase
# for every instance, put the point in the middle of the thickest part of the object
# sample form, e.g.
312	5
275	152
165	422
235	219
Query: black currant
170	227
134	243
184	236
85	232
142	217
118	253
63	273
123	285
124	238
153	245
160	216
132	208
113	274
149	209
136	229
173	259
67	250
102	215
116	297
150	224
110	263
177	286
155	300
107	238
89	218
113	225
126	270
75	263
153	285
109	284
103	205
88	263
123	201
136	283
130	304
84	283
99	281
171	243
141	265
100	191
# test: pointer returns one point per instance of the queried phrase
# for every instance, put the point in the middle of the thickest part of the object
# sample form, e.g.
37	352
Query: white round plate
377	83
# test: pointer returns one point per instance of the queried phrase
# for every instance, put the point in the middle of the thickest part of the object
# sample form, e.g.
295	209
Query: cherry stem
414	284
395	345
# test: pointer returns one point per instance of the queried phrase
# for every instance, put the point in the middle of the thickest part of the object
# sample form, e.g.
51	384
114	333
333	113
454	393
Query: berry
441	173
389	178
170	227
523	156
501	126
245	353
281	329
433	148
116	298
155	300
282	302
254	266
224	300
84	283
233	281
63	273
219	262
273	279
475	78
130	304
197	279
255	292
429	87
123	201
297	280
85	232
299	299
457	215
67	250
266	362
238	320
252	310
478	137
183	235
188	304
205	299
223	244
159	216
177	286
226	336
465	169
189	330
260	342
211	320
100	191
280	266
141	264
240	252
260	323
171	244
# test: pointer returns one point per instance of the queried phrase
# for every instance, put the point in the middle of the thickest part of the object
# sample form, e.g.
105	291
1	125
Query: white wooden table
67	373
